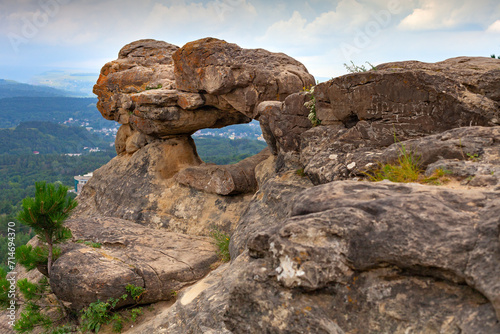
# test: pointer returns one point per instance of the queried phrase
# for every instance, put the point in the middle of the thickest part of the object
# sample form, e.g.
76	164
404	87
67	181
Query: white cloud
494	27
450	14
327	27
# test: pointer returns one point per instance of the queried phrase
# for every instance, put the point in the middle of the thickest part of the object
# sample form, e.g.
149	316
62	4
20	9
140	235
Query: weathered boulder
215	84
140	187
139	89
353	257
226	179
240	78
159	261
271	204
412	99
446	234
328	154
282	123
141	65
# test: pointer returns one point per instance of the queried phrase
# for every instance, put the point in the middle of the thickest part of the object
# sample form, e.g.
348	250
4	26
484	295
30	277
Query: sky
42	37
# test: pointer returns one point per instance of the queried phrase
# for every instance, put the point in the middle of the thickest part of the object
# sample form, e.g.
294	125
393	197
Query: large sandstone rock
224	180
139	89
354	257
141	65
140	187
237	77
412	99
215	84
159	261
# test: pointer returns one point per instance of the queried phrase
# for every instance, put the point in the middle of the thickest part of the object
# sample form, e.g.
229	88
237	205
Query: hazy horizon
39	38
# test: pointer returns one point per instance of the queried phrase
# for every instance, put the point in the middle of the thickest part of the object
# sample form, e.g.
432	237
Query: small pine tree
46	213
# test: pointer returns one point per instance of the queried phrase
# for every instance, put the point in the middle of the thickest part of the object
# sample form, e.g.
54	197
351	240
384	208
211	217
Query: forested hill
224	151
52	109
10	88
49	138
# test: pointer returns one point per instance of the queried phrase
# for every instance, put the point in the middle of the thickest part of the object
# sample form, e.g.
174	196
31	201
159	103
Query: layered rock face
147	90
356	256
351	257
158	182
412	99
129	253
314	247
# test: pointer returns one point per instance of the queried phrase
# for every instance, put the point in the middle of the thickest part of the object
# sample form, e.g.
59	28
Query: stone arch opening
162	94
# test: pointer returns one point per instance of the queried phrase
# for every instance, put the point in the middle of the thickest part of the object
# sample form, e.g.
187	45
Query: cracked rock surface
411	99
159	261
328	155
352	257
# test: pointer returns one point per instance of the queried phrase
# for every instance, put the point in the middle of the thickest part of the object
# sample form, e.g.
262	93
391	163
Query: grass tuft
407	169
221	240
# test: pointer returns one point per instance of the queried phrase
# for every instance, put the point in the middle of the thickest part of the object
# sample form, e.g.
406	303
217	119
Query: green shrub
102	313
221	240
300	172
353	68
135	291
135	313
406	169
90	243
311	105
31	318
46	213
99	313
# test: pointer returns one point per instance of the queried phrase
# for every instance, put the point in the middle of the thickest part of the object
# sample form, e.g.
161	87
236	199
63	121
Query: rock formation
129	253
315	247
147	90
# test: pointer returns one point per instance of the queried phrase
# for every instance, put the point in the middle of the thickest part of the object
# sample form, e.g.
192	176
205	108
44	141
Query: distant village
106	131
241	131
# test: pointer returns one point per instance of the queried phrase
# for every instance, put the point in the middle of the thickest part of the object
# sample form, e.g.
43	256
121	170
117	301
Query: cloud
198	16
494	27
450	14
72	23
327	27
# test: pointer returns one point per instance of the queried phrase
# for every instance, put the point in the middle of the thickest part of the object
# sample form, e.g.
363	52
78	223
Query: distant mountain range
50	138
9	88
80	84
14	110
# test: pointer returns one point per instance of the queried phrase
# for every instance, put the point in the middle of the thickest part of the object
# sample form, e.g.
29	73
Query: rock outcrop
354	257
146	91
327	161
162	90
412	99
314	247
371	110
128	253
223	180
